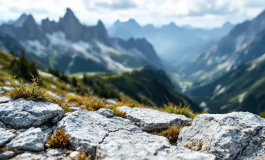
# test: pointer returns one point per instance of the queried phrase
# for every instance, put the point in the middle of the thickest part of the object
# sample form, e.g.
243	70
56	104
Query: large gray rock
21	113
150	119
236	135
117	138
31	140
6	136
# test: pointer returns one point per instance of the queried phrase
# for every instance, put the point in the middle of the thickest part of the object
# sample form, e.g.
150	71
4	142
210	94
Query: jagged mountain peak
69	17
227	24
100	24
24	18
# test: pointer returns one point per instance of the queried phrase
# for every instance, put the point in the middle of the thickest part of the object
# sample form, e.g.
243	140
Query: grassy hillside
239	90
148	86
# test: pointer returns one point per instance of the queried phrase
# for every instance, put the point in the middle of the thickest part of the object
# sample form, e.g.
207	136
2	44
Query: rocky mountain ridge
73	43
177	45
243	44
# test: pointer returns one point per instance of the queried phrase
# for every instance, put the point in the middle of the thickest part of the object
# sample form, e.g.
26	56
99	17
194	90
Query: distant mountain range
230	75
73	47
244	43
178	45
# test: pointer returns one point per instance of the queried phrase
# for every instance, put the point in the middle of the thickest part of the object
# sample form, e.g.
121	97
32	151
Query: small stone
111	101
73	109
55	152
105	112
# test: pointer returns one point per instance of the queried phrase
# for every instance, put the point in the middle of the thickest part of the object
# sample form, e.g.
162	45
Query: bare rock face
150	119
237	135
117	138
31	140
6	136
21	113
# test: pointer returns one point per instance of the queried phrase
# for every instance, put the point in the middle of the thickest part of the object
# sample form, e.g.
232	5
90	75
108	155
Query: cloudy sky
198	13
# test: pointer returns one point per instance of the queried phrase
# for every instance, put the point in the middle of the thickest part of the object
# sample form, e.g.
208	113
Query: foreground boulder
118	138
21	113
237	135
31	140
150	119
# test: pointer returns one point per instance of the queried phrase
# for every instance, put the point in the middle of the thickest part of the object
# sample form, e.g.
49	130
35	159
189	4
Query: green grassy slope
239	90
148	86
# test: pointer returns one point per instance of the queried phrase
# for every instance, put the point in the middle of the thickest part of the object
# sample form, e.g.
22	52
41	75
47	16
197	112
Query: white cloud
201	13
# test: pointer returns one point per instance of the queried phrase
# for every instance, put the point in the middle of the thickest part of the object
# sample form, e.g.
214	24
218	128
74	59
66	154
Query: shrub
171	133
60	140
34	93
184	110
23	68
56	73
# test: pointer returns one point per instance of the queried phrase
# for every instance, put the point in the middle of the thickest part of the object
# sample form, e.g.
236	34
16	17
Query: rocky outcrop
21	113
31	140
150	120
118	138
6	136
237	135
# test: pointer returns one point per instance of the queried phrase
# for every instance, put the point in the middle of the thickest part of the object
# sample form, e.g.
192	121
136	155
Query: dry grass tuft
181	109
171	133
34	93
83	156
118	113
60	140
195	145
94	105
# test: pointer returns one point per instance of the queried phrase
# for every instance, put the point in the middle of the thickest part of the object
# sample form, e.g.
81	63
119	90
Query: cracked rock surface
237	135
150	119
21	113
31	140
6	136
118	138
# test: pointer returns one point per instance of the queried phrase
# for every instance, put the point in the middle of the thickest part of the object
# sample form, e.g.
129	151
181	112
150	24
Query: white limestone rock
31	140
21	113
6	136
150	120
118	138
236	135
